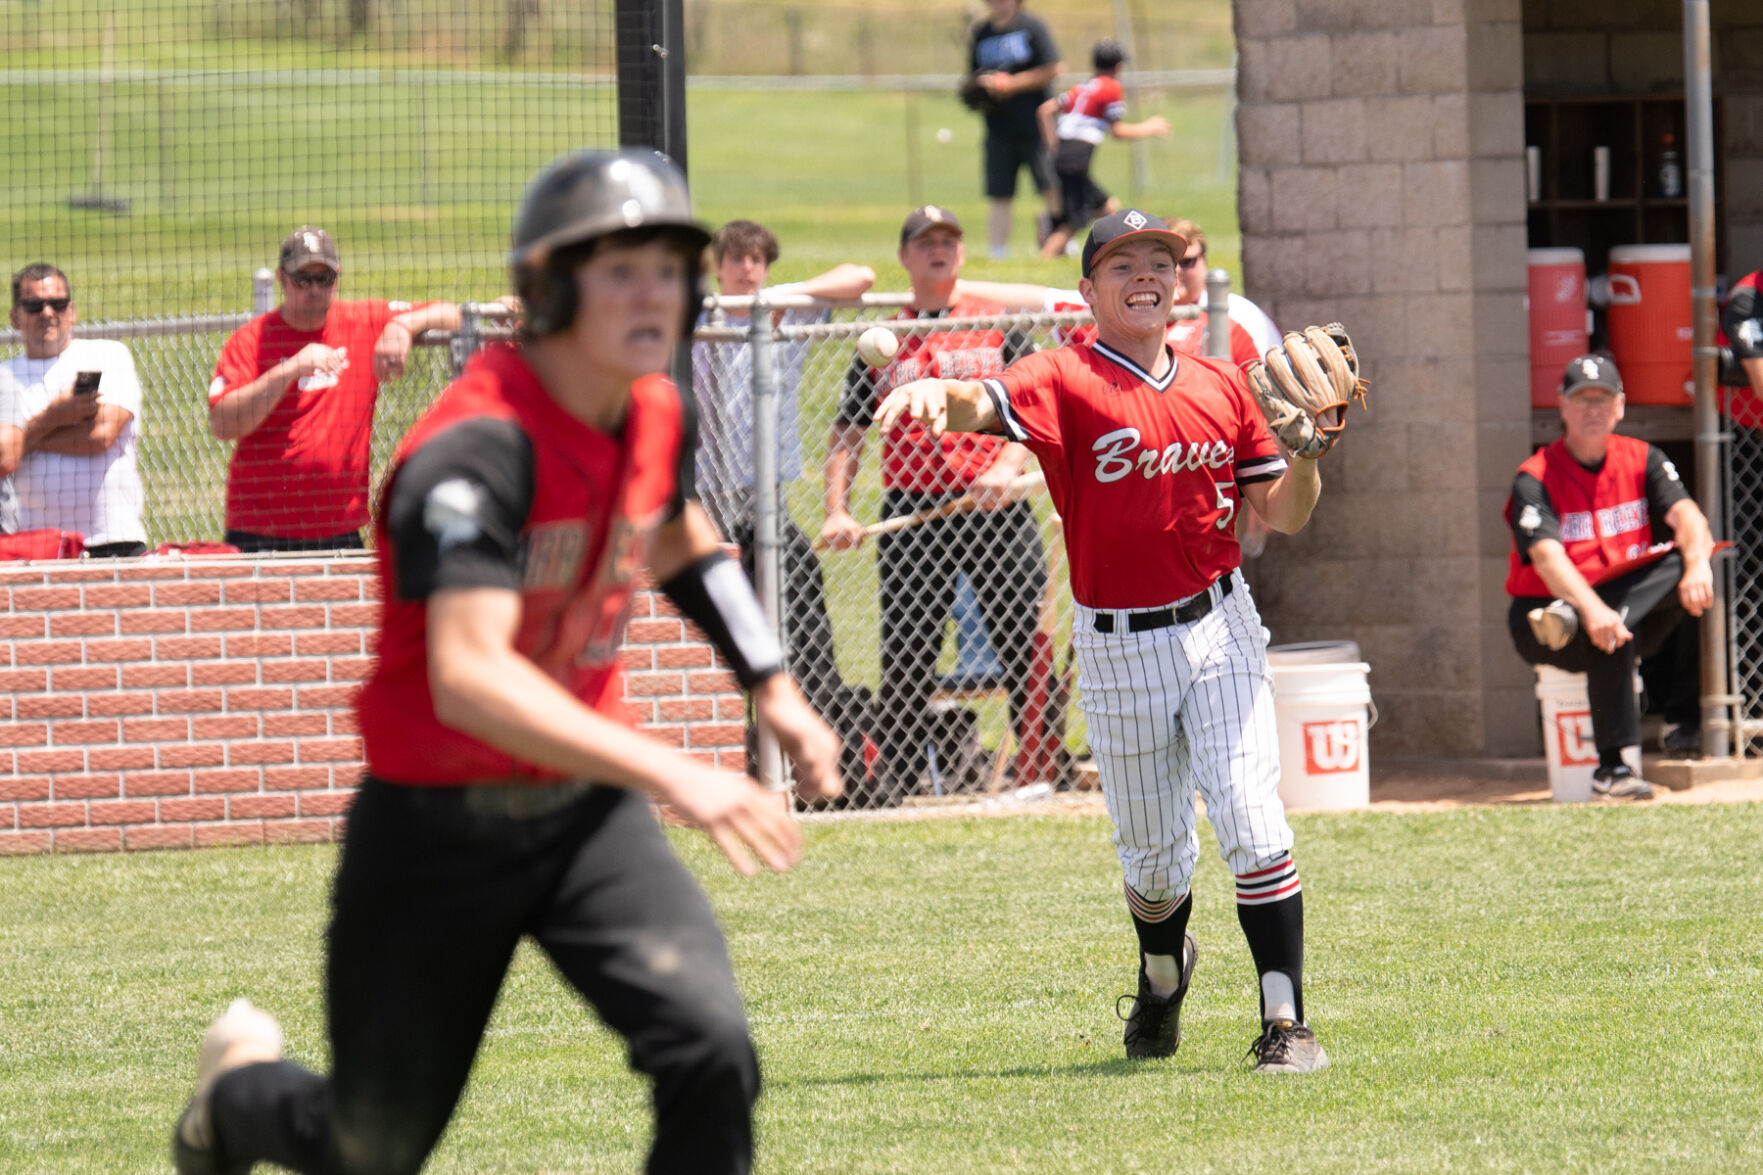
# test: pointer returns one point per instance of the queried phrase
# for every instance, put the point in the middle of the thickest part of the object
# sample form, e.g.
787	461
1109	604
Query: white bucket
1568	745
1311	652
1324	712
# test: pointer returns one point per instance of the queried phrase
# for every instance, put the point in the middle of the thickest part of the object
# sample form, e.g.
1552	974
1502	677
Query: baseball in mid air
876	346
945	135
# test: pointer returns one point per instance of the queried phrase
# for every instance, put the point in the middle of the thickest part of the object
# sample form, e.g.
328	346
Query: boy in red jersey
1148	458
1073	125
1579	506
296	388
506	793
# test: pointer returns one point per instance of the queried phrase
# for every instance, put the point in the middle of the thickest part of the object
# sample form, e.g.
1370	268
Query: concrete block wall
1381	184
180	703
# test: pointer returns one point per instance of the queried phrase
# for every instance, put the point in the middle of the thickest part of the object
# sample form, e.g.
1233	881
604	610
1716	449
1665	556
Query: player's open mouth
1143	300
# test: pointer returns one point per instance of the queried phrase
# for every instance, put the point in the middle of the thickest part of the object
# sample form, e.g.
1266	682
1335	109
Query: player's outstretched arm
1285	503
840	283
482	686
940	405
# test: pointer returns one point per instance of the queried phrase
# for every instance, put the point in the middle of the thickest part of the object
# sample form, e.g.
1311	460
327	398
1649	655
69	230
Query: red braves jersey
1089	109
302	473
912	459
1147	472
596	500
1603	515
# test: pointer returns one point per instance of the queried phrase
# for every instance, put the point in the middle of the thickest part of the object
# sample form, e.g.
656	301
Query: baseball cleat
1555	625
1621	783
244	1035
1287	1047
1153	1026
1682	740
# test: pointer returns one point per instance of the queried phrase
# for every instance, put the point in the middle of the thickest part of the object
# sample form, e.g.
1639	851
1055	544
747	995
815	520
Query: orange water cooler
1650	329
1556	299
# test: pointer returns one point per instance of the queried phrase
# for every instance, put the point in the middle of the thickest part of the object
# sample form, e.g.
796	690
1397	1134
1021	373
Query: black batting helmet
583	197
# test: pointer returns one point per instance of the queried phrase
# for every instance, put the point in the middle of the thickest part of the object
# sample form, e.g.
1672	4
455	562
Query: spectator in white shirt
70	454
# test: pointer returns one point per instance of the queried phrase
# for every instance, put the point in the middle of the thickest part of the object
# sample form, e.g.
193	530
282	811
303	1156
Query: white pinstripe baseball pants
1175	709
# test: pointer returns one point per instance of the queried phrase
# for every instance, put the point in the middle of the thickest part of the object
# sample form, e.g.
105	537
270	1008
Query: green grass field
1532	989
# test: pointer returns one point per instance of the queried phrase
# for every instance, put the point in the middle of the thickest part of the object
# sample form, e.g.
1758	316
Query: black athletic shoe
244	1035
1286	1047
1621	783
1153	1026
1682	740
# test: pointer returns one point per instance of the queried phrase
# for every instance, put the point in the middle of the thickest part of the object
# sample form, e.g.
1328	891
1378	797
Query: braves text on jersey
1147	472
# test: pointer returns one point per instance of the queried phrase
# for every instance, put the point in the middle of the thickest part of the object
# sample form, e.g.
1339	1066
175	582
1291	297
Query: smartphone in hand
86	383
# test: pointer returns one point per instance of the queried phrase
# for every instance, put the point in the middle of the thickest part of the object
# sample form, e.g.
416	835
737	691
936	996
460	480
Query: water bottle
1670	174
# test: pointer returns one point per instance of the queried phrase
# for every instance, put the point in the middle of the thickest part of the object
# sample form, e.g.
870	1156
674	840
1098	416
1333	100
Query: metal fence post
465	339
1218	324
766	555
263	291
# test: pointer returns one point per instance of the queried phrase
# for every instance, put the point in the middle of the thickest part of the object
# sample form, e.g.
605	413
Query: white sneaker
243	1035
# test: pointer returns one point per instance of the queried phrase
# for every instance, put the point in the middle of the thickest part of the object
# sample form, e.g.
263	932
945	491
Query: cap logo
311	242
933	213
1135	220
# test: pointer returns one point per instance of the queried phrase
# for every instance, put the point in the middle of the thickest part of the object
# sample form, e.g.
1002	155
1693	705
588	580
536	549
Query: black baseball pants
1000	552
430	898
1654	615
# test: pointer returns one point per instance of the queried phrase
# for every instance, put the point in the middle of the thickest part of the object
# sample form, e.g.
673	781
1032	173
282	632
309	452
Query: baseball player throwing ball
1148	458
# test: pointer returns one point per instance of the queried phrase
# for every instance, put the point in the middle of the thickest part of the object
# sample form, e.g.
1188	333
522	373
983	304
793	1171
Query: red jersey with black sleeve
1147	472
302	473
912	459
1601	516
1741	328
497	486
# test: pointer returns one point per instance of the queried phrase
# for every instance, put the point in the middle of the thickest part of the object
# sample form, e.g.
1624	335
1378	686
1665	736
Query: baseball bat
1018	489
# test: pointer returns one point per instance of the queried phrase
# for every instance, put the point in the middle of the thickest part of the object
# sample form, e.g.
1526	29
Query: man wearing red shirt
1581	506
998	546
296	389
506	794
1148	458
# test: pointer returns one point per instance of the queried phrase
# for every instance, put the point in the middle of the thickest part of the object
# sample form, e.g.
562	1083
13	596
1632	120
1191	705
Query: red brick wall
180	703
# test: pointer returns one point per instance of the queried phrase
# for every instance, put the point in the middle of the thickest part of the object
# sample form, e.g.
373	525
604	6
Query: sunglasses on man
36	305
1187	263
306	281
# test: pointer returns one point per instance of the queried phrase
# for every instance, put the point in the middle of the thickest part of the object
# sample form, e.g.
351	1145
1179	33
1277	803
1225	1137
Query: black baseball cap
1591	371
1107	54
1113	231
922	220
309	245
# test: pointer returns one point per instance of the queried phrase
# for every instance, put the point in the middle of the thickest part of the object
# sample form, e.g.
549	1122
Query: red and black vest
1603	515
596	501
914	460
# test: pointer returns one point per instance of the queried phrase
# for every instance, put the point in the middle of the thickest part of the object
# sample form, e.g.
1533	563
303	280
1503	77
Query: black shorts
1006	154
1082	199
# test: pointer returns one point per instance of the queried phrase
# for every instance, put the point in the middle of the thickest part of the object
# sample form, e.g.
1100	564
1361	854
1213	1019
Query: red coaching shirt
1147	473
912	459
302	473
499	487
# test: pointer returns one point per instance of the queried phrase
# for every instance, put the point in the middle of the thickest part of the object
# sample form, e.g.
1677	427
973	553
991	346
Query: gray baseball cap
1590	371
922	220
309	245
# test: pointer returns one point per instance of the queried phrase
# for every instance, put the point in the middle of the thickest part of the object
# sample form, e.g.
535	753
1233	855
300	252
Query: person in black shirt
1012	56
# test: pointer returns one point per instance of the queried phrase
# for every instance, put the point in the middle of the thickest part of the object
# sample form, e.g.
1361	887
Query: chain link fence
1744	583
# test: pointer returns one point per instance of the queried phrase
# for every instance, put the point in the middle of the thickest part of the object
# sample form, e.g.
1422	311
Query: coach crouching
1589	592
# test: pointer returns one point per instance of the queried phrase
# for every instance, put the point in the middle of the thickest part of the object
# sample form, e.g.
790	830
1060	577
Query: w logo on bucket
1574	730
1331	747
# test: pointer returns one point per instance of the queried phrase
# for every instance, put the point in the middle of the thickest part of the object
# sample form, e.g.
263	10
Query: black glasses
306	281
1189	262
36	305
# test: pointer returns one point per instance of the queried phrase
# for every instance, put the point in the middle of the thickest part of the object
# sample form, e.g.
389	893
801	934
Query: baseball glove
975	96
1305	385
